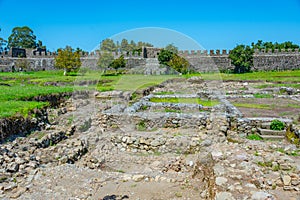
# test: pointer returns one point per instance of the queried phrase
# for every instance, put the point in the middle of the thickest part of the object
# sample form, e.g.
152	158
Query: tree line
242	55
21	37
109	45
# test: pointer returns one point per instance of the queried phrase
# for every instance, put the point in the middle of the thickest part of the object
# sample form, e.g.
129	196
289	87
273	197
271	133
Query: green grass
41	77
172	110
135	82
25	85
10	108
185	100
264	106
262	86
253	137
280	76
18	92
257	95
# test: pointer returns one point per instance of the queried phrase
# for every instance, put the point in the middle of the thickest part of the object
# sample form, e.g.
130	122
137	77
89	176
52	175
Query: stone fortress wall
201	60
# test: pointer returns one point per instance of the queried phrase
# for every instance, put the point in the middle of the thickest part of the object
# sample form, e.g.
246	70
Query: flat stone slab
266	125
271	132
272	137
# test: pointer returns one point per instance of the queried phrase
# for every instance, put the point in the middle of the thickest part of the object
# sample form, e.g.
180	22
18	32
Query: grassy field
186	100
23	85
17	87
280	76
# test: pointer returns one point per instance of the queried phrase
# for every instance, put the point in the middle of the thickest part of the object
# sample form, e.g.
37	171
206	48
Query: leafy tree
171	48
179	64
242	58
40	45
22	37
165	56
171	59
2	43
68	59
105	60
124	45
108	45
269	45
118	63
132	45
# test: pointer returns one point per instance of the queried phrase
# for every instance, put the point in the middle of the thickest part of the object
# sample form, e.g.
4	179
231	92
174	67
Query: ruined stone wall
201	61
283	60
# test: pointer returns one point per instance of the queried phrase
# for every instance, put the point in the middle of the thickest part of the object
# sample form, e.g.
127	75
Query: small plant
264	164
141	126
144	107
277	125
70	120
178	134
275	168
178	194
120	171
281	150
254	137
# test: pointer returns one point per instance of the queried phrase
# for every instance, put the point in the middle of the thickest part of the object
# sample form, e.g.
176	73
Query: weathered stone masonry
202	61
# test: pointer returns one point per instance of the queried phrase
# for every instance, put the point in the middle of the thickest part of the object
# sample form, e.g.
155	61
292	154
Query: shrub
277	125
141	126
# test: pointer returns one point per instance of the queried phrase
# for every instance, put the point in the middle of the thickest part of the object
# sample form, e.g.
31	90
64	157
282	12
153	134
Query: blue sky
212	24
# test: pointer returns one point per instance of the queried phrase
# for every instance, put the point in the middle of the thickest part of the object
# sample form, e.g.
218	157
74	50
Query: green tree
124	45
242	58
118	63
140	44
68	59
180	64
22	37
165	56
105	59
269	45
2	43
171	59
172	48
40	45
108	45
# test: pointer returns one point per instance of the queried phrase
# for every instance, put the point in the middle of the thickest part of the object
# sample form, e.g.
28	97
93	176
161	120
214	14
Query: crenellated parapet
216	52
275	51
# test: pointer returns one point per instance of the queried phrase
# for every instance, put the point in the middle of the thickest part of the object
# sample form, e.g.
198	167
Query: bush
118	63
277	125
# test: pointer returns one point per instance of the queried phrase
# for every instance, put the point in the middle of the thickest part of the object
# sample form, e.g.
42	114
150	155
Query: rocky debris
177	165
203	170
176	143
54	137
115	197
71	151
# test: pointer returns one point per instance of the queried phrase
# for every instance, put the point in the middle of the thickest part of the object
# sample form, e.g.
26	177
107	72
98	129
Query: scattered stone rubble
96	156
